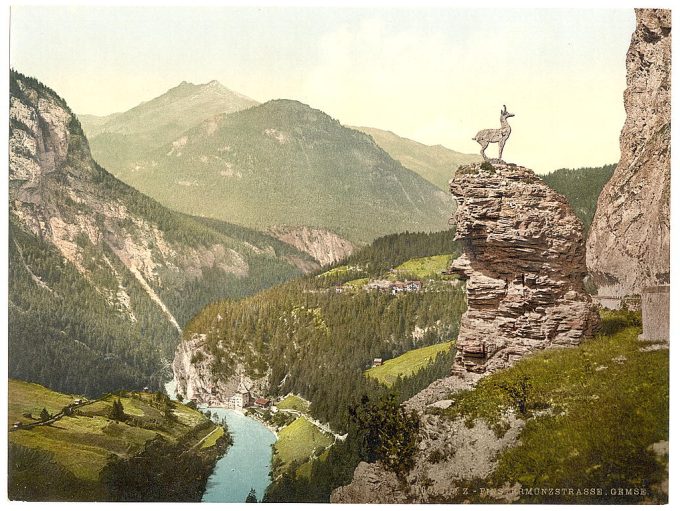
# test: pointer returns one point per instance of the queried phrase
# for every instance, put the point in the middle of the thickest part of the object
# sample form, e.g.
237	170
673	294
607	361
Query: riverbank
247	462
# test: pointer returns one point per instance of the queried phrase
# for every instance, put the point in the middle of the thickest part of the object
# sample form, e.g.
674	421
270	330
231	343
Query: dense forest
337	467
66	334
306	337
581	187
63	333
389	251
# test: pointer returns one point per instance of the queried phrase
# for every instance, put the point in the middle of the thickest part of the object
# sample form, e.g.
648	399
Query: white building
242	397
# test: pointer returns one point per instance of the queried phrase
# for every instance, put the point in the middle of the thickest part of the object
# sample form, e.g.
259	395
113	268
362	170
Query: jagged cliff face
324	246
628	244
193	369
58	193
524	262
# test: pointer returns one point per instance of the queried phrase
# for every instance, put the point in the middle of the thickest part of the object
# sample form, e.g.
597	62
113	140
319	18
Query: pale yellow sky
436	75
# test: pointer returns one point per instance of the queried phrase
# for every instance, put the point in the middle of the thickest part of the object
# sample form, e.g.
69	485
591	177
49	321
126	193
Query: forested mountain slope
307	335
581	187
102	278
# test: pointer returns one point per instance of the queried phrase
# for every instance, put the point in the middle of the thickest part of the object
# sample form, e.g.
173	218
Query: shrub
517	391
389	434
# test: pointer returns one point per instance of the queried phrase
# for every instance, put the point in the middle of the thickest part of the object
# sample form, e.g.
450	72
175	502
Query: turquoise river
247	462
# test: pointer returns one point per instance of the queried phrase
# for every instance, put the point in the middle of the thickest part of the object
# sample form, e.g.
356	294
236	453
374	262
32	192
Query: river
247	462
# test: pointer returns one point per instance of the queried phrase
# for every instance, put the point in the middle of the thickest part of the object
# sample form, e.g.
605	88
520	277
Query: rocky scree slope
628	244
524	263
324	246
283	163
465	452
101	277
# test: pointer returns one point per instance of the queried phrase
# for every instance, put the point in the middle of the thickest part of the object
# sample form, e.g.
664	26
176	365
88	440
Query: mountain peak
189	86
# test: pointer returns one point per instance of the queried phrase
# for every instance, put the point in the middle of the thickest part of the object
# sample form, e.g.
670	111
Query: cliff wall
628	243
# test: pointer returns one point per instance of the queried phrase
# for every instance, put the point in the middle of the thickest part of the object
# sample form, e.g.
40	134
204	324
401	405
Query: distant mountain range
120	138
435	163
101	278
278	165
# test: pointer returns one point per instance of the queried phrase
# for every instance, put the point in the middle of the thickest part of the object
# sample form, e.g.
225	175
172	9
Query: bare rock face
524	262
323	245
628	244
192	368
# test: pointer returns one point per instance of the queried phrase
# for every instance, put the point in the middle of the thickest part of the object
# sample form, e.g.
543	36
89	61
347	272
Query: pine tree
117	412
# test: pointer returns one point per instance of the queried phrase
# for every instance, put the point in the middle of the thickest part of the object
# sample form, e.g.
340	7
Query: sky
436	75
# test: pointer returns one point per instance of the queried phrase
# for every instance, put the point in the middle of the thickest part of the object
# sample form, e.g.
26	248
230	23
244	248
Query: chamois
500	135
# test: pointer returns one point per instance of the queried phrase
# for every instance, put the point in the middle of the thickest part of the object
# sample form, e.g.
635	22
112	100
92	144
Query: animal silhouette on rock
500	135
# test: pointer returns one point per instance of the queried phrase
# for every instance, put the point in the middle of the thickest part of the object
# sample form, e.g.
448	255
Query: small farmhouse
262	402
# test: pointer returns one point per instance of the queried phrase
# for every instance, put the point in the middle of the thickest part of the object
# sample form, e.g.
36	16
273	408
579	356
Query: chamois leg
501	144
484	144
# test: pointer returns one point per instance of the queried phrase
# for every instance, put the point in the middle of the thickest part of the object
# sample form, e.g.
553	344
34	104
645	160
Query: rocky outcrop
628	244
323	245
524	262
195	377
450	454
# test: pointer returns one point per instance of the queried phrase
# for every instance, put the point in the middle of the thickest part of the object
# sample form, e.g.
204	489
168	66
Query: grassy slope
214	436
435	163
293	402
423	267
298	441
407	364
83	444
607	403
31	398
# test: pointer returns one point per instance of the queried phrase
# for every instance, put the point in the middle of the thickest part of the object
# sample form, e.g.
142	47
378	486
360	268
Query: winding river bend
247	462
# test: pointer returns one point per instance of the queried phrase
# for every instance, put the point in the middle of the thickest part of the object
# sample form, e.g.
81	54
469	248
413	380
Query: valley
99	273
218	299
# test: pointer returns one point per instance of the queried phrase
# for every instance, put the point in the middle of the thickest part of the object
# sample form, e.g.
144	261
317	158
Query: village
385	286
